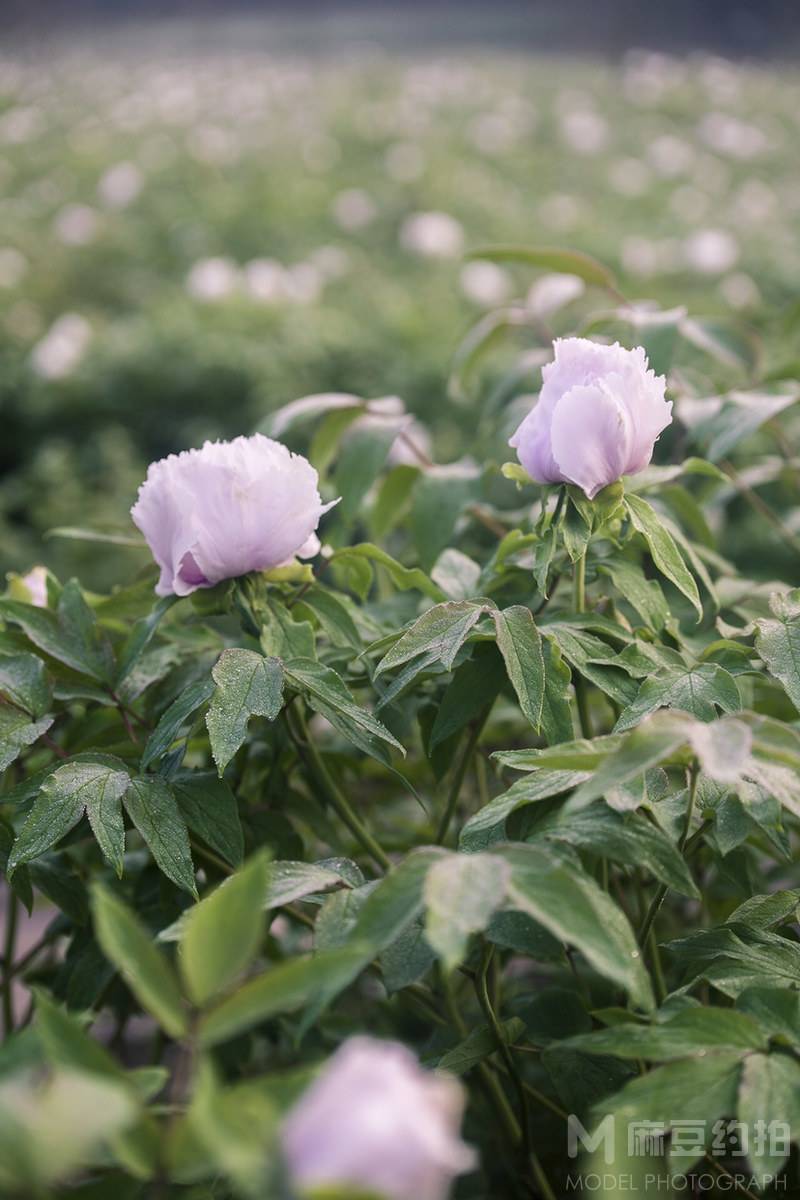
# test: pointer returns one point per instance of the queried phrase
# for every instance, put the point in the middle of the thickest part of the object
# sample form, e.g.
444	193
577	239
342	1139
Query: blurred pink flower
224	510
375	1121
598	416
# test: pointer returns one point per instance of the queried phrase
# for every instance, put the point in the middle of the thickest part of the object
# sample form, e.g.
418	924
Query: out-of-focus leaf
129	946
551	258
23	679
461	893
223	932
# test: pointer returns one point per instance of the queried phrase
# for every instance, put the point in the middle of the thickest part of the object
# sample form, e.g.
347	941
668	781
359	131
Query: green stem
579	584
335	797
489	1081
459	776
579	604
658	898
482	990
9	947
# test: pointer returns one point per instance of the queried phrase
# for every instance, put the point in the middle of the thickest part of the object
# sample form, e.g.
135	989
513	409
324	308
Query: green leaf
248	684
630	839
129	946
456	574
777	1011
328	695
693	1032
23	679
93	788
334	616
583	754
17	732
439	634
698	690
734	958
283	989
480	1044
644	595
152	807
402	577
174	718
309	409
778	642
461	893
237	1126
58	634
769	1091
645	747
284	637
67	1044
392	499
551	258
360	460
663	549
223	932
209	808
568	903
140	637
520	644
396	901
474	686
539	785
728	343
699	1090
440	496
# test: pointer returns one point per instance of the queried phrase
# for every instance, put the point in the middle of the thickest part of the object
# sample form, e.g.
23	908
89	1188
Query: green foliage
518	784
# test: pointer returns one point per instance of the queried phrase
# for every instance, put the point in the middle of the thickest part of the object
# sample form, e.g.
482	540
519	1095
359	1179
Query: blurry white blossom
332	261
120	185
731	137
740	291
584	132
432	235
213	279
76	224
485	283
354	209
265	280
62	347
552	291
711	251
671	155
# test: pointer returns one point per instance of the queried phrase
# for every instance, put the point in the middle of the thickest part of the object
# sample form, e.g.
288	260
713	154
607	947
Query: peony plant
400	870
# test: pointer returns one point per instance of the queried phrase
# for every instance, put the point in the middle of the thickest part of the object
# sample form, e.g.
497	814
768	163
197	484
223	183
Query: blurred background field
202	220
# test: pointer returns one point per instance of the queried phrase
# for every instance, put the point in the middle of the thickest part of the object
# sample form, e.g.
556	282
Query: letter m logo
578	1136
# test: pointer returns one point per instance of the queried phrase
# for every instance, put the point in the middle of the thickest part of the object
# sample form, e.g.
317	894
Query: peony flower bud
224	510
374	1121
599	413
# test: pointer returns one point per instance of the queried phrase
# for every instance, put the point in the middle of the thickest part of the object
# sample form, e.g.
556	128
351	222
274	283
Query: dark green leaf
176	716
152	807
248	684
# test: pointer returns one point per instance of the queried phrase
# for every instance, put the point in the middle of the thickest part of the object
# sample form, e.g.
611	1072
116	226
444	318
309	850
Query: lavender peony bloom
376	1122
599	413
232	507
